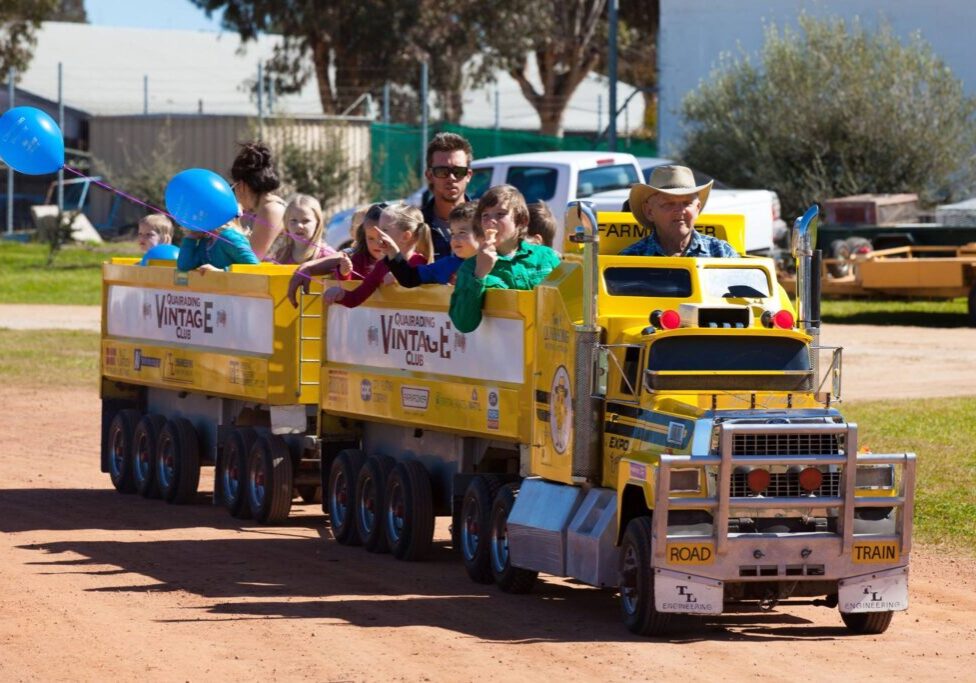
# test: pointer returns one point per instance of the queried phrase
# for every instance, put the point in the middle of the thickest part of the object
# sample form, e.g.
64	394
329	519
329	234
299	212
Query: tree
567	39
19	21
834	109
354	40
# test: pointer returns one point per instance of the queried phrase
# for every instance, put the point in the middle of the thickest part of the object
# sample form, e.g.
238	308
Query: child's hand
486	257
345	264
299	279
389	279
388	246
205	267
333	295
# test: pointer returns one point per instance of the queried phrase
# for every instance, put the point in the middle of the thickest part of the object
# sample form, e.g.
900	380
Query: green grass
49	358
919	313
75	277
941	432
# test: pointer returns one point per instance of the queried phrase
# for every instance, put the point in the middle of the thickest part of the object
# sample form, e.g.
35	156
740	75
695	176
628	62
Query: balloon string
215	235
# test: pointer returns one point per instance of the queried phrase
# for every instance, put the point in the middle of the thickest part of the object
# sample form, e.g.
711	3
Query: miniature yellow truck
663	427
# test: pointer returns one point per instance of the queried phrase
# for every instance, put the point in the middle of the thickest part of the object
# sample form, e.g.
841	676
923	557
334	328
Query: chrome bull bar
722	503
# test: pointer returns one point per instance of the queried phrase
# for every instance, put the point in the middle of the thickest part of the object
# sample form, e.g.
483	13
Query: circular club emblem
560	409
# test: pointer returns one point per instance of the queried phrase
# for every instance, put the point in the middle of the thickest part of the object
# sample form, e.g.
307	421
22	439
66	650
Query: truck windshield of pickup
735	282
653	282
605	178
741	354
534	182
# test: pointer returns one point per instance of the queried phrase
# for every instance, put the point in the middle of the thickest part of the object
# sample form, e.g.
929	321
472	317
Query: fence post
423	118
145	94
498	120
260	100
11	75
61	124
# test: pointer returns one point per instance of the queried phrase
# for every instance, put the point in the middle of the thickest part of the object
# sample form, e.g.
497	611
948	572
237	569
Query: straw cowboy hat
672	180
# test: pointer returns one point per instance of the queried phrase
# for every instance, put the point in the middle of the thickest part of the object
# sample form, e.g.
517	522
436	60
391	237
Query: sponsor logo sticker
868	552
638	470
493	412
416	398
560	409
366	390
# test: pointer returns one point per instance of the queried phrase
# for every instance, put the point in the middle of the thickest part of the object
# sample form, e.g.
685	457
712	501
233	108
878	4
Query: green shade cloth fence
396	150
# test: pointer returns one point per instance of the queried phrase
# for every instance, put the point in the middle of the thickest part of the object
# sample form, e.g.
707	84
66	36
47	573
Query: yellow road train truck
666	428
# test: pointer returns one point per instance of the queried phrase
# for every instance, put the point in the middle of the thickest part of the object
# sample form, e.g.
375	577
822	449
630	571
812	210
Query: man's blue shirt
700	245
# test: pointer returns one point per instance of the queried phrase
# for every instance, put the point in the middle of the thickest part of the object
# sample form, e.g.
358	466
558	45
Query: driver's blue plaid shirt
700	245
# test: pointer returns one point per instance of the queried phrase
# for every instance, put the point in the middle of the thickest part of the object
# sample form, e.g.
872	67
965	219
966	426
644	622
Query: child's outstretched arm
304	273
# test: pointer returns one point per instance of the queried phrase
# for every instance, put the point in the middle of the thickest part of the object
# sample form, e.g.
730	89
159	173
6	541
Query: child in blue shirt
216	250
465	240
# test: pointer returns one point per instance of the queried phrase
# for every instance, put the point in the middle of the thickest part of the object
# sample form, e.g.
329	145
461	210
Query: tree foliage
19	21
834	109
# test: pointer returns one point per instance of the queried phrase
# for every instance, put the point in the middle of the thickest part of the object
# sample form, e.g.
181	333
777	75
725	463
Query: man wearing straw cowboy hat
668	206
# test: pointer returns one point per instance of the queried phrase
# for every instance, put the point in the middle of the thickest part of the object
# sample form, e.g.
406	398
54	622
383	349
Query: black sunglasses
443	171
373	212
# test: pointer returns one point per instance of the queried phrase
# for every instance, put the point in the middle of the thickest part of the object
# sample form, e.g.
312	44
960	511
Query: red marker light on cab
665	320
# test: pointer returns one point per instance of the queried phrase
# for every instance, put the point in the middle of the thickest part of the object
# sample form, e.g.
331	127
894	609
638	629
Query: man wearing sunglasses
448	173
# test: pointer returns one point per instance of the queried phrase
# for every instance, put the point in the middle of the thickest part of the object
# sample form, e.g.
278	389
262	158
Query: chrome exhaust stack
803	248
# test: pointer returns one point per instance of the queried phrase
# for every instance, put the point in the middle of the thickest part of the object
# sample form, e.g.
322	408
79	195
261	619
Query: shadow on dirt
296	571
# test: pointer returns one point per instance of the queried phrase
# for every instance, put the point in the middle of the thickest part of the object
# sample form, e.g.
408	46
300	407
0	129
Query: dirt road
95	585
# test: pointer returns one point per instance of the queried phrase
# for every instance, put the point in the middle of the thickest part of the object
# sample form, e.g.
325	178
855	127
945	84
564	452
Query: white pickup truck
601	177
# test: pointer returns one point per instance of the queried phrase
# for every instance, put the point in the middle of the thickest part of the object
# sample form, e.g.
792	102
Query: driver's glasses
444	171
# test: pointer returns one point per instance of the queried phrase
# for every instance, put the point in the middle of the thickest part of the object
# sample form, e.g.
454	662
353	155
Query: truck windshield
656	282
735	282
605	178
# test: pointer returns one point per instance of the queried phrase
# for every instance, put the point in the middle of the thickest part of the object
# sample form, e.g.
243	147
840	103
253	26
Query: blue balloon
161	252
30	141
200	199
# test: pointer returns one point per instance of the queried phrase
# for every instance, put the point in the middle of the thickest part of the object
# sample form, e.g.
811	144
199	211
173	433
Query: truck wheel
637	581
474	523
510	579
370	485
120	449
839	249
867	623
409	511
145	439
231	471
178	461
269	479
341	494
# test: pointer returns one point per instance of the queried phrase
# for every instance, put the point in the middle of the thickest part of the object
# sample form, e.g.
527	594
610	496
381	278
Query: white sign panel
427	342
687	594
874	594
236	323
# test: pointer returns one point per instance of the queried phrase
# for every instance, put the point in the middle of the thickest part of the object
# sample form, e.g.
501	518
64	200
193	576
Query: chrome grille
786	444
785	485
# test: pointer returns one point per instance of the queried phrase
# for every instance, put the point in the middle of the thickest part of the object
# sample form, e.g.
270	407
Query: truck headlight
686	480
875	477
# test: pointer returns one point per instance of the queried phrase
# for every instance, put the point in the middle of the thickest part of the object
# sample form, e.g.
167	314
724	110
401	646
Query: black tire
637	581
475	521
178	461
839	249
309	493
231	471
368	502
145	440
269	479
120	449
510	579
409	511
341	494
867	623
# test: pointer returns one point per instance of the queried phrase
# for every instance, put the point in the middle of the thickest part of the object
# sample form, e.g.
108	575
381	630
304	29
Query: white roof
104	68
569	158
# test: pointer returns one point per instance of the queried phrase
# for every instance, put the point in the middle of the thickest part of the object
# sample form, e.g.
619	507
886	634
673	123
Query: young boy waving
504	261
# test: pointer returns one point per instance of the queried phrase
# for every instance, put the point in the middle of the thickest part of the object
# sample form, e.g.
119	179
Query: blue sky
174	14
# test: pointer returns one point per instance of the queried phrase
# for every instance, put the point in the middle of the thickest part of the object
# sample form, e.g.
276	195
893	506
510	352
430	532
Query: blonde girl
405	225
301	240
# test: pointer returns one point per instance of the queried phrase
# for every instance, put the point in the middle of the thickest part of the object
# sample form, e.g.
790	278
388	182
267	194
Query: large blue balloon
30	141
200	199
161	252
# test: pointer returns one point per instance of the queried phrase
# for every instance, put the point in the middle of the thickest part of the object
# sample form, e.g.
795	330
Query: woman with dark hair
255	181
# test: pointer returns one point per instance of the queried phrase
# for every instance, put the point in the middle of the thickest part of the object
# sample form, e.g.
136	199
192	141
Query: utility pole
61	125
612	68
423	118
